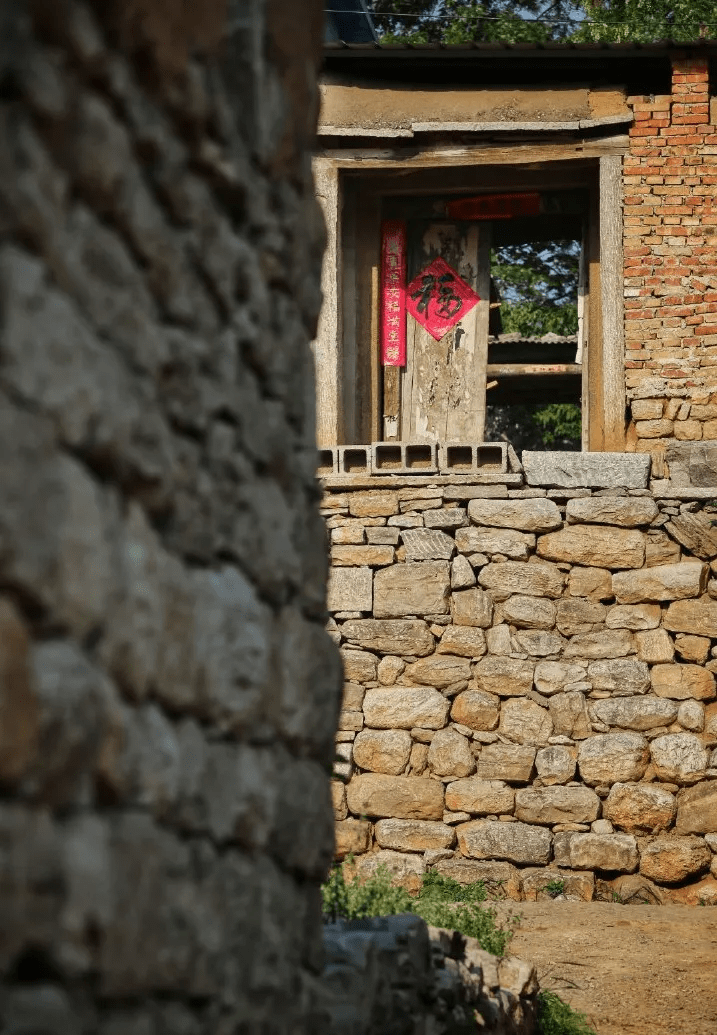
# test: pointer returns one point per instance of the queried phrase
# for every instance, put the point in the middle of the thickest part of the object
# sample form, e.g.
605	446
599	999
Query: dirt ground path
633	970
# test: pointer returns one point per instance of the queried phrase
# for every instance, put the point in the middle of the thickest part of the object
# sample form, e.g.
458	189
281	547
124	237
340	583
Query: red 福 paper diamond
438	298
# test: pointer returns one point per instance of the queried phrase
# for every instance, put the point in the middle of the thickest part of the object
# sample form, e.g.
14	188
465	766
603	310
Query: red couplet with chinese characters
438	298
393	293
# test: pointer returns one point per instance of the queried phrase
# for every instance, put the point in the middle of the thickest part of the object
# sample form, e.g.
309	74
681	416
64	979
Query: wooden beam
612	304
533	369
327	344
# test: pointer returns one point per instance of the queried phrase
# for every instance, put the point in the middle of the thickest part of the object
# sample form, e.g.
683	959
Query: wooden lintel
533	369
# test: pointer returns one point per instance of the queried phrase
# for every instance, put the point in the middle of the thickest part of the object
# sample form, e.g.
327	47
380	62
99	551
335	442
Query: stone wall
670	246
168	695
530	678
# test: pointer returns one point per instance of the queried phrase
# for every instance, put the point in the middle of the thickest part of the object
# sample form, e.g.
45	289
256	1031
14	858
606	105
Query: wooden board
443	385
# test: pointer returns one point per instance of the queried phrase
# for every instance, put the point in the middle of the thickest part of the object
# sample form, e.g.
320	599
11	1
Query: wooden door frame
346	349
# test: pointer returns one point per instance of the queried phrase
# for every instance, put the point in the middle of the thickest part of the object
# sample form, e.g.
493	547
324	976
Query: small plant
442	902
618	898
556	1017
555	887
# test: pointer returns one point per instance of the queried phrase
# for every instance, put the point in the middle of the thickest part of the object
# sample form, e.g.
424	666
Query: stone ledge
591	470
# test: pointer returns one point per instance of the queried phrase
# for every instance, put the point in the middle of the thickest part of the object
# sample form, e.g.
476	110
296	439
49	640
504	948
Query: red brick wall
670	247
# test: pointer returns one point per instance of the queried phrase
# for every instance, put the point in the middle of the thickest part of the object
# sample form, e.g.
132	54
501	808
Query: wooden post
612	305
327	345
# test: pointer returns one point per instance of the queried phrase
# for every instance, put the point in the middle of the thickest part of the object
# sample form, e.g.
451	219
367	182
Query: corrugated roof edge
557	49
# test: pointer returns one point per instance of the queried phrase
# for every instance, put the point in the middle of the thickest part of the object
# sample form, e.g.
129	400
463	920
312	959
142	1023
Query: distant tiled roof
547	339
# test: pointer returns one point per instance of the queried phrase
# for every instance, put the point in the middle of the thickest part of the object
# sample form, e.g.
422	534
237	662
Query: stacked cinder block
529	686
670	250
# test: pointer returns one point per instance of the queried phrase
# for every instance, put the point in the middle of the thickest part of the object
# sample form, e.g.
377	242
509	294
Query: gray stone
504	578
679	758
579	615
692	463
595	545
594	470
405	707
529	612
691	716
509	543
695	532
420	588
527	515
516	842
613	757
570	715
624	511
422	544
620	676
448	517
390	636
350	589
556	764
538	643
462	574
505	677
556	805
635	617
498	640
635	713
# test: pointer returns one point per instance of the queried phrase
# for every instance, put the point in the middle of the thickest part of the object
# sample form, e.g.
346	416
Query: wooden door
443	383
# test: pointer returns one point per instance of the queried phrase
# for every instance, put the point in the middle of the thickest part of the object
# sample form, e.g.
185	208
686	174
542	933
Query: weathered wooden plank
366	291
611	291
391	403
327	344
593	418
534	369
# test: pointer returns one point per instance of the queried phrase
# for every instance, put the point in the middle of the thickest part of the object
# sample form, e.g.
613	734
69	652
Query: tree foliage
645	21
458	21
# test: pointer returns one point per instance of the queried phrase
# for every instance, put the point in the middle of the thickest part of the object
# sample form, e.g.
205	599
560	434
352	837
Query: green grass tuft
556	1017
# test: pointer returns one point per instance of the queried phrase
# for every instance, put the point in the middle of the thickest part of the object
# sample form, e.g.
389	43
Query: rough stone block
504	578
577	887
623	511
530	515
353	836
611	852
553	677
556	764
350	589
681	682
640	808
538	643
695	533
355	556
359	666
373	504
515	842
530	612
594	470
569	714
383	751
477	709
635	617
635	713
419	588
608	643
697	809
691	716
515	545
512	763
613	757
692	463
525	722
412	637
422	544
395	797
448	518
462	574
670	859
405	707
679	758
413	835
440	670
505	677
556	805
579	615
593	583
462	640
603	547
472	607
622	677
698	617
661	582
450	754
480	797
406	869
654	646
501	877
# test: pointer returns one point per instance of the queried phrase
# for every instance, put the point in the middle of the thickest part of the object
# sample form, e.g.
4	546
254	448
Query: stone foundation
529	679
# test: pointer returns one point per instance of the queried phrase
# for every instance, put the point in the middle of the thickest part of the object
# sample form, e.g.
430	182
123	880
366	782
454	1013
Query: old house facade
528	642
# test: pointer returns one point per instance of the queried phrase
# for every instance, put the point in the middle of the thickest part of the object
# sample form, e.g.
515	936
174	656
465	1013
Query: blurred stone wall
168	695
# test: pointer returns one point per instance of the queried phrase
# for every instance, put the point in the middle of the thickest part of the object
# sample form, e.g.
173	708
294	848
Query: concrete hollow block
470	458
327	462
354	460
